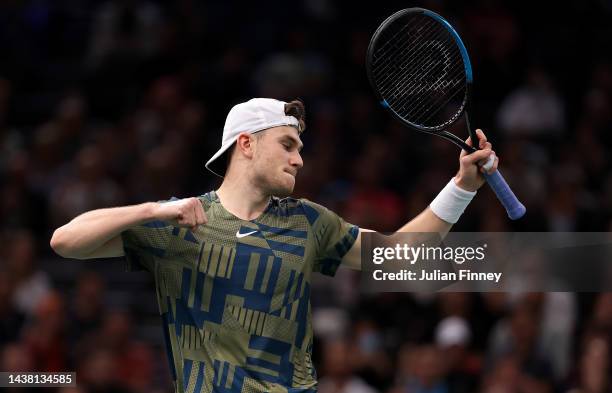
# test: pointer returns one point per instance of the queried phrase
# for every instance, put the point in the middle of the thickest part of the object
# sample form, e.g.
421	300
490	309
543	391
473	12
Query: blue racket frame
496	181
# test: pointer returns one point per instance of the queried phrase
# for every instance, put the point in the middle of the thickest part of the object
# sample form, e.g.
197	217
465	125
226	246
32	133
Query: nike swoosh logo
241	235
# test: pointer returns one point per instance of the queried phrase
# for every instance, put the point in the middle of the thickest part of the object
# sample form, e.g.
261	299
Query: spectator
45	337
594	367
421	369
516	342
453	337
339	376
534	108
11	320
87	309
31	284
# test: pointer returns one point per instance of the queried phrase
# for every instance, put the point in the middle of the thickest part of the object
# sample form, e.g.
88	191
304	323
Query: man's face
277	159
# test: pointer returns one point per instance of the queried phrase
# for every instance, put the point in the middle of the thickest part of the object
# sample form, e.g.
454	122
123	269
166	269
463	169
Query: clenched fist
472	166
187	213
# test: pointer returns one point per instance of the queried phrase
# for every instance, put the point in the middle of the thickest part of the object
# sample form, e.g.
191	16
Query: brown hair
296	109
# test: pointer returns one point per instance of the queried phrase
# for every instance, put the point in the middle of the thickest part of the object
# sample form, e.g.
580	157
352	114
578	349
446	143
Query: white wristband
451	202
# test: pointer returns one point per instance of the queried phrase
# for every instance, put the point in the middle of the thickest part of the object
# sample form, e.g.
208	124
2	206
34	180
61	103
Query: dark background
106	103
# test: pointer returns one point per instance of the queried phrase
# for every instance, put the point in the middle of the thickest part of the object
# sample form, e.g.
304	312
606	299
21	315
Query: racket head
420	70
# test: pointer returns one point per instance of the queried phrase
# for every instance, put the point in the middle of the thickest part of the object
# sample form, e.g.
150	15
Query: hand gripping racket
421	72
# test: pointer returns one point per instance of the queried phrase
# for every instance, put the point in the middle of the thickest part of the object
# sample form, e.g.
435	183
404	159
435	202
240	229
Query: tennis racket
421	73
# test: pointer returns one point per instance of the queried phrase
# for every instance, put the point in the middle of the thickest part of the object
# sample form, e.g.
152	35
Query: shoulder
208	199
210	196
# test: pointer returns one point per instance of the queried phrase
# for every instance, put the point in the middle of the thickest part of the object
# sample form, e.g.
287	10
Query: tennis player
232	267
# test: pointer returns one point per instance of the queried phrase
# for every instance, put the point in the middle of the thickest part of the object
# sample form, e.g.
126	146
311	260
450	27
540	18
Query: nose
296	160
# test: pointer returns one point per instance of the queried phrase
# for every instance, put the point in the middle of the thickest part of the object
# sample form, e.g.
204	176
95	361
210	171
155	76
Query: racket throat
473	136
456	140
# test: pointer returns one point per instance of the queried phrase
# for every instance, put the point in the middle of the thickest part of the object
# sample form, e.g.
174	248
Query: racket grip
513	206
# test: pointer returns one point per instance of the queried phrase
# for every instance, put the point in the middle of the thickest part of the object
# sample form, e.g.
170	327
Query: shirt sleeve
144	244
333	237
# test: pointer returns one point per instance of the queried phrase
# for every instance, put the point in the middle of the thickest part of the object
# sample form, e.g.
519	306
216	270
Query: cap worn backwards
255	115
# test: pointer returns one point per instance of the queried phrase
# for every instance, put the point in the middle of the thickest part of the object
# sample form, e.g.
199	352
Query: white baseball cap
255	115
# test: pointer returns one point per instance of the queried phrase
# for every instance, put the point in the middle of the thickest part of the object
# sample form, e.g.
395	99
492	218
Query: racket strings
441	106
415	84
424	108
391	40
383	54
410	72
418	86
402	57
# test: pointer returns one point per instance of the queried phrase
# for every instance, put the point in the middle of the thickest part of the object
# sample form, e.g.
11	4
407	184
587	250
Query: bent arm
468	180
425	222
96	234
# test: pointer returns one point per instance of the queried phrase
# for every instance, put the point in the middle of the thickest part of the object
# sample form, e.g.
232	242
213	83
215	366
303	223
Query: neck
242	199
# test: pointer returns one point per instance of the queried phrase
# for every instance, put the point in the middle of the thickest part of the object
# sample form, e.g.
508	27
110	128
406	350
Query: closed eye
291	143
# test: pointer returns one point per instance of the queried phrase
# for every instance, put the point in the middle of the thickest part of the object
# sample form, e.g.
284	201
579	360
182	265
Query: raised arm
449	204
96	234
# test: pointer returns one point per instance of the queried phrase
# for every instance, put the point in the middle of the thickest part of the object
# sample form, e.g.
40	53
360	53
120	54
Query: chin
283	192
284	188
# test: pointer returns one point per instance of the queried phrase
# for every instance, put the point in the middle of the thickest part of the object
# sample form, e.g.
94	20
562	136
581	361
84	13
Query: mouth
292	173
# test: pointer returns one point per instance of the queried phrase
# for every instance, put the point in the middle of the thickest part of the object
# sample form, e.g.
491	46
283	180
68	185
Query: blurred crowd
113	102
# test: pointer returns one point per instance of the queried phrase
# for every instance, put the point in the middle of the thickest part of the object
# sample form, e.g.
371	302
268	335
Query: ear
246	143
